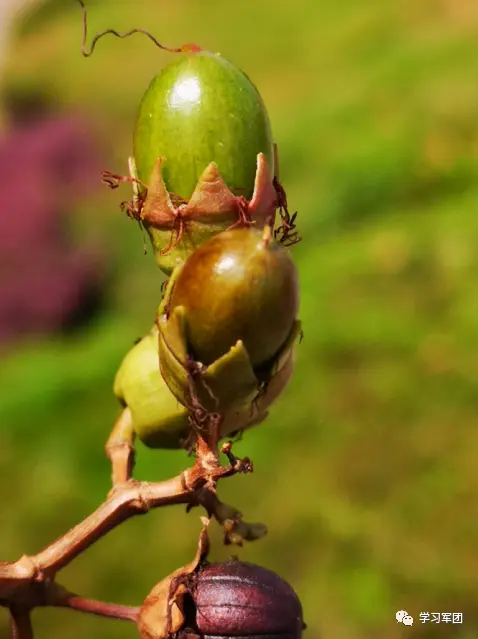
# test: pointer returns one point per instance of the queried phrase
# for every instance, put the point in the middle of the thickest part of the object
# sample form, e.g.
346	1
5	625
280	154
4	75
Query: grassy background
366	472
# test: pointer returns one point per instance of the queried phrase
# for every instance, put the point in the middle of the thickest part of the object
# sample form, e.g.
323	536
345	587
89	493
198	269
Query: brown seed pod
236	598
229	599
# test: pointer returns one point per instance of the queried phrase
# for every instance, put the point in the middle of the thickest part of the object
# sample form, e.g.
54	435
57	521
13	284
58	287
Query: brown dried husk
162	612
175	231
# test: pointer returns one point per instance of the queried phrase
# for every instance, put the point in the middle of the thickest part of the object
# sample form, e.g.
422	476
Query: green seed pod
201	109
204	156
158	419
232	307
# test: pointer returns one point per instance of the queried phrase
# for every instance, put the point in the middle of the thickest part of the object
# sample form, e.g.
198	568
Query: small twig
238	465
20	624
101	608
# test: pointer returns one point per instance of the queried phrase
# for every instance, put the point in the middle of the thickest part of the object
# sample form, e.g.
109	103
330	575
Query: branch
100	608
125	501
28	582
20	624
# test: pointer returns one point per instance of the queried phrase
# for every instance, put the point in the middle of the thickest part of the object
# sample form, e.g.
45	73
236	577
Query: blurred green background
366	471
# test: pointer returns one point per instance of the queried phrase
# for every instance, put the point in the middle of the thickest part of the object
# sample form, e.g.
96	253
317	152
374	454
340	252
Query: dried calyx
228	599
176	228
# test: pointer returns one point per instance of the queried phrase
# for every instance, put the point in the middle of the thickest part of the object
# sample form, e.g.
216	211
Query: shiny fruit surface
239	285
201	109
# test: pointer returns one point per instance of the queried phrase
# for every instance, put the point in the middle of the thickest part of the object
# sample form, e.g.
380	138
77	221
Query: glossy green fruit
239	285
197	110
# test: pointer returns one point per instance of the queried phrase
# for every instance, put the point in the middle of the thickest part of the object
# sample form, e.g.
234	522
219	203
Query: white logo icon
402	616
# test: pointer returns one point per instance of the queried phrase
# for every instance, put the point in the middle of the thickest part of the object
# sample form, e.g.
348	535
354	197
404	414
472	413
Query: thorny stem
192	48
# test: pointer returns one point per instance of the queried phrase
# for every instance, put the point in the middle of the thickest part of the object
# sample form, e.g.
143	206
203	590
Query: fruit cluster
202	134
205	188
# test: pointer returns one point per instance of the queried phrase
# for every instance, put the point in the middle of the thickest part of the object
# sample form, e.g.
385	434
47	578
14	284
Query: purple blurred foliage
46	283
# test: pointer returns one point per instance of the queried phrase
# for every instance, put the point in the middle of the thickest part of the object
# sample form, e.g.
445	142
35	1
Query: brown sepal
158	210
162	612
264	200
212	200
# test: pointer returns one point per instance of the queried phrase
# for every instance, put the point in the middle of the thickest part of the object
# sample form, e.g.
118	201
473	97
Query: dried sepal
162	612
225	385
237	531
264	201
176	229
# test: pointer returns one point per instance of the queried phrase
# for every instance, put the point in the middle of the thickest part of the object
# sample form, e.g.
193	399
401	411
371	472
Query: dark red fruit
223	600
239	599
